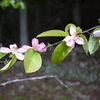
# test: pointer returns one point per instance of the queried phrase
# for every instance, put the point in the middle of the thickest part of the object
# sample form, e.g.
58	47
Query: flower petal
43	50
69	41
19	56
13	46
5	50
79	40
34	41
42	47
21	50
96	33
26	47
36	47
72	30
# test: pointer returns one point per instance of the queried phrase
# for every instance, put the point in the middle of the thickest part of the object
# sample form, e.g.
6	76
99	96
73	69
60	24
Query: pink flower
70	40
36	46
14	49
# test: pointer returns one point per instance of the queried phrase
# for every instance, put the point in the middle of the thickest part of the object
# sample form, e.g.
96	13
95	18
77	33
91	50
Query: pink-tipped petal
69	41
26	47
79	40
72	30
19	56
34	41
43	50
21	50
5	50
42	45
36	47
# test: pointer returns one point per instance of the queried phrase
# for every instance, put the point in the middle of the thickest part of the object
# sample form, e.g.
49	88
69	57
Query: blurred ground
78	71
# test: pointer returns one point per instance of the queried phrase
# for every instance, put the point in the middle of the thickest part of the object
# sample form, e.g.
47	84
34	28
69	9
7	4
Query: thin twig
86	31
36	78
53	44
89	29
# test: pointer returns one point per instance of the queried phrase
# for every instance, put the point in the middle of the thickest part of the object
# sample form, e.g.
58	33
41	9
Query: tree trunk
37	17
0	34
23	27
1	16
76	13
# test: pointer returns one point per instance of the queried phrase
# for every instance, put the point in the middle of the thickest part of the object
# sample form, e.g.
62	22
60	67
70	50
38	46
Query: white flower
70	40
14	49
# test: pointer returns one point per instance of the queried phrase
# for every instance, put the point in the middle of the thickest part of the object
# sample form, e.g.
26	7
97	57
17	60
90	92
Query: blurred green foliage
7	3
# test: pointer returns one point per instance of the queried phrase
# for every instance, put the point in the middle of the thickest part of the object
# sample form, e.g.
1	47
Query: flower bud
96	33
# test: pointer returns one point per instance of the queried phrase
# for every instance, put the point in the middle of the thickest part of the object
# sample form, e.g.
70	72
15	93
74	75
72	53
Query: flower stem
53	44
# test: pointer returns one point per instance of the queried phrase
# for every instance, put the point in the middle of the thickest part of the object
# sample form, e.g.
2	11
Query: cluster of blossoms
70	41
31	54
19	51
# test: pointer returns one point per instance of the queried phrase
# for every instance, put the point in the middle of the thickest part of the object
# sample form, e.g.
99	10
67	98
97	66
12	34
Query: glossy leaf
78	30
60	52
67	28
9	64
85	45
93	44
57	33
18	4
2	55
32	61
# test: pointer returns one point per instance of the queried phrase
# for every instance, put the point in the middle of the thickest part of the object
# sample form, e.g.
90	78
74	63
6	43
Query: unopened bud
96	33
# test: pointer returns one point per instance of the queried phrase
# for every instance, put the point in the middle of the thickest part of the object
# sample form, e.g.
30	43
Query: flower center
14	49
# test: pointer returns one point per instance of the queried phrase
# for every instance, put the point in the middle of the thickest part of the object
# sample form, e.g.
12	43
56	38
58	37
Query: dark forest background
43	15
79	71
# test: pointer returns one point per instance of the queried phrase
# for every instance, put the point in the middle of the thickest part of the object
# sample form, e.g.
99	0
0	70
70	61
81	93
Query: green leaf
67	28
9	64
22	5
85	45
78	30
99	20
18	4
93	44
60	52
4	3
2	55
58	33
32	61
